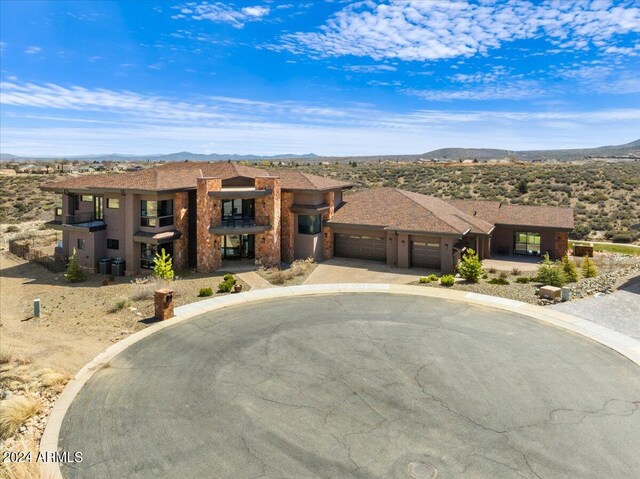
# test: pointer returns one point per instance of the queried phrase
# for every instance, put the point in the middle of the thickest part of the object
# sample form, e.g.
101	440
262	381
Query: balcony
241	225
82	221
239	193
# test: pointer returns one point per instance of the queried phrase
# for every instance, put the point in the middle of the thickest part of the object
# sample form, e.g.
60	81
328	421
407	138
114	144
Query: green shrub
119	305
498	281
551	273
205	292
447	280
470	268
163	266
570	270
12	229
425	279
492	270
524	279
74	273
227	285
228	277
588	268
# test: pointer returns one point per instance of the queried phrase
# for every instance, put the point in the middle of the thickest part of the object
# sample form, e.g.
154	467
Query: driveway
619	310
345	270
358	386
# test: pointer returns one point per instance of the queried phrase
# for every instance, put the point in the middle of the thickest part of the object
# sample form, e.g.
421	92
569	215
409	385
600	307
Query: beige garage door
426	254
360	246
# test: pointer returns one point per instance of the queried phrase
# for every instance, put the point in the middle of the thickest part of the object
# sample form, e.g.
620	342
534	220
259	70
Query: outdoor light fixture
122	192
403	242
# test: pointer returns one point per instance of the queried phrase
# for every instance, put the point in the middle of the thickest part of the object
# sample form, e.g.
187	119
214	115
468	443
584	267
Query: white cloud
430	30
51	119
220	12
514	90
369	68
32	50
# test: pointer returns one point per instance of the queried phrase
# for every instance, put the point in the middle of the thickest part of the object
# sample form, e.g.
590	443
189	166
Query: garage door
425	254
360	246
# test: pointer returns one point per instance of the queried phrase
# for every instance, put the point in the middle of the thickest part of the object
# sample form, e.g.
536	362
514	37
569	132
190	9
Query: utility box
104	266
163	299
550	292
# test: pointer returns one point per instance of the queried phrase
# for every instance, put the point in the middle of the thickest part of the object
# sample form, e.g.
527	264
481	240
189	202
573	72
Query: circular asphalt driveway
358	385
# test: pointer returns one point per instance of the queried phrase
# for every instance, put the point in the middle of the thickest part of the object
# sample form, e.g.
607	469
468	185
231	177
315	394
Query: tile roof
176	176
396	209
518	215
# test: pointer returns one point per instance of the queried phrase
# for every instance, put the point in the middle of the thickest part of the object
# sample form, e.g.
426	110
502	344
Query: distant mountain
181	156
616	151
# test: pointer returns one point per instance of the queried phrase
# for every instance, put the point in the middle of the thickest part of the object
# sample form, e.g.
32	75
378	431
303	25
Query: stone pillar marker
327	232
288	220
208	214
268	212
163	302
181	215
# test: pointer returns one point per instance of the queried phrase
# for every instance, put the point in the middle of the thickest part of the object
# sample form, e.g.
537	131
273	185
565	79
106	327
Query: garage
360	246
426	253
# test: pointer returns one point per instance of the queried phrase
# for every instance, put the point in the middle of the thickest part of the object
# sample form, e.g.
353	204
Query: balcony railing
242	225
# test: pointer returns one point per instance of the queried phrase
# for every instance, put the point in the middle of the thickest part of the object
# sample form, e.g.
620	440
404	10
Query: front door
238	246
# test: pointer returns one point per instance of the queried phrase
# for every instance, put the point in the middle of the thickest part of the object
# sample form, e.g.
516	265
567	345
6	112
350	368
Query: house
206	213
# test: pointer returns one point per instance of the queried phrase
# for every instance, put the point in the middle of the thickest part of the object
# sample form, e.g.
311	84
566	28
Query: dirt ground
75	324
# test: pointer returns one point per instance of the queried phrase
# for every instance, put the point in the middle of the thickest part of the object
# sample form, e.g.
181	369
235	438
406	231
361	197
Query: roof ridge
427	209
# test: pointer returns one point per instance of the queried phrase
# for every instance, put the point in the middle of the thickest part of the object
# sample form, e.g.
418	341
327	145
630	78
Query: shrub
14	412
119	305
588	268
425	279
551	273
227	285
516	272
12	229
492	270
502	275
163	266
205	292
470	268
570	270
74	274
498	281
143	288
447	280
523	279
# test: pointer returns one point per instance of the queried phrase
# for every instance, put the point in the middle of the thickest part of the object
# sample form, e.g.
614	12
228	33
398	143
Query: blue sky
333	78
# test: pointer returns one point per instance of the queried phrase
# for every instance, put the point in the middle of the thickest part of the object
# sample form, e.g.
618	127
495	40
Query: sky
328	77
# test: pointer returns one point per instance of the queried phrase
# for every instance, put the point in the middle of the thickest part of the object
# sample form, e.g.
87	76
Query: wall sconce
264	239
402	242
122	192
390	240
446	246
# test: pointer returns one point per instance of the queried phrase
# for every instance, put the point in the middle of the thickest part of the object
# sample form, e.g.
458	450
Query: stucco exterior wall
94	249
268	252
502	240
116	228
307	198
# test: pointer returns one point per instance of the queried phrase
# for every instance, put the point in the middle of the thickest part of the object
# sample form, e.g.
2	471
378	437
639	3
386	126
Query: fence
21	248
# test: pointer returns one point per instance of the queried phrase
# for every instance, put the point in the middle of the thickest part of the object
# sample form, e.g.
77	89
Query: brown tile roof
396	209
518	215
176	176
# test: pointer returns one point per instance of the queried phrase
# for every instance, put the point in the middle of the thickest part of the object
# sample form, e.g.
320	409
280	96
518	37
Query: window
113	244
113	203
526	243
148	253
80	244
87	198
309	224
154	213
236	209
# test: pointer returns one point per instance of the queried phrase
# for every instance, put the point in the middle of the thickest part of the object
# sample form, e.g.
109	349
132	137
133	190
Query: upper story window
156	213
309	224
113	203
239	208
87	198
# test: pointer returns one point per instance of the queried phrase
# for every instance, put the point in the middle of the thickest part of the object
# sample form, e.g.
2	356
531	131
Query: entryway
238	246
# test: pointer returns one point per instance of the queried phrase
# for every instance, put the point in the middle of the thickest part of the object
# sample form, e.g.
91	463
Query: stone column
268	212
208	214
327	231
288	221
181	220
561	244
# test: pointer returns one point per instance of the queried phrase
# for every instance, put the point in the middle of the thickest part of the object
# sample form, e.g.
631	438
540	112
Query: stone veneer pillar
268	212
327	231
209	246
181	220
562	244
288	220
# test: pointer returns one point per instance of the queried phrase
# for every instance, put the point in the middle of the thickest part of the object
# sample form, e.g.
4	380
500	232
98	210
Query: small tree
163	266
470	268
523	186
74	273
588	268
551	273
570	270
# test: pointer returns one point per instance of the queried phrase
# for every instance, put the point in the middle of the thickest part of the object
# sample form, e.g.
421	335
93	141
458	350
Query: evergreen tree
74	273
470	268
551	273
163	266
570	270
588	268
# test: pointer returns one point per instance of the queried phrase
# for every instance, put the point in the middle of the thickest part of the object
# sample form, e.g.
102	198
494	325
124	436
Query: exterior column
327	231
208	214
268	252
561	244
288	220
181	220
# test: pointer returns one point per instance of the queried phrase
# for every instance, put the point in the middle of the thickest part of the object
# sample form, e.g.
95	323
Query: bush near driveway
227	285
588	268
551	273
447	280
570	270
470	267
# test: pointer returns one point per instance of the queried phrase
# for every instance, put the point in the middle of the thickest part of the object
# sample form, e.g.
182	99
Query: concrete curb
620	343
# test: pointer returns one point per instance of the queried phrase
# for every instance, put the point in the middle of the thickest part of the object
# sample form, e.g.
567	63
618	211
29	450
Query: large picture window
156	213
309	224
527	243
148	253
